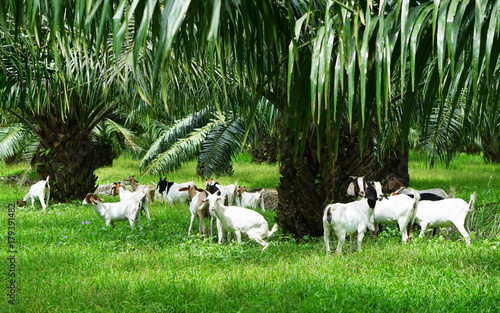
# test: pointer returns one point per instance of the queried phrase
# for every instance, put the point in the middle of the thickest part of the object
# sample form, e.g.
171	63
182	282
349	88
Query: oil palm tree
329	66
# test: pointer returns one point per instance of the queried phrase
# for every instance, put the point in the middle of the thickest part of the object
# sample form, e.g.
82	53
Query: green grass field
67	261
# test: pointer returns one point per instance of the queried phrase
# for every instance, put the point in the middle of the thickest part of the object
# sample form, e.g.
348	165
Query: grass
67	261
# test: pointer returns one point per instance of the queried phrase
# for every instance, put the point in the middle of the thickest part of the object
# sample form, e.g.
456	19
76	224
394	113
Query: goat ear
350	189
183	189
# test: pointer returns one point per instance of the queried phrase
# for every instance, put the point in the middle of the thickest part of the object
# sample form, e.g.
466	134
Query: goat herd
430	208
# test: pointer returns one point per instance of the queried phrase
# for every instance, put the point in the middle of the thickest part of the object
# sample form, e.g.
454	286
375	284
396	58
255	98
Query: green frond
181	151
17	139
220	146
181	129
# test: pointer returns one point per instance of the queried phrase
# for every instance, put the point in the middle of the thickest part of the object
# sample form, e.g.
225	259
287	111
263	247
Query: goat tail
273	230
416	196
472	201
47	181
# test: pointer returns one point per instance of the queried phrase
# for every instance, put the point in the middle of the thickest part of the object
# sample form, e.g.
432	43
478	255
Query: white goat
241	221
149	190
116	211
445	213
252	199
350	218
398	209
40	190
229	192
199	208
118	189
239	193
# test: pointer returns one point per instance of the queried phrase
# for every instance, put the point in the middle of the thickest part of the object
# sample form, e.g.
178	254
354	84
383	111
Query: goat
398	209
118	189
40	190
211	185
356	187
229	192
349	218
199	208
252	199
445	213
241	221
124	210
395	186
239	193
149	190
163	186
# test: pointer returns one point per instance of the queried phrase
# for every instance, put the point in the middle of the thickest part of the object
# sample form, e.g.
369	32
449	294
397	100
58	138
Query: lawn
67	261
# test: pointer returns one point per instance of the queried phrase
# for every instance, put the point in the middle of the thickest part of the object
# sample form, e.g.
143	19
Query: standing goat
253	199
199	208
118	189
398	209
40	190
149	190
350	218
124	210
445	213
241	221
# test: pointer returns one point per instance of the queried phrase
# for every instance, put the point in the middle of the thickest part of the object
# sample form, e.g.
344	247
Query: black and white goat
350	218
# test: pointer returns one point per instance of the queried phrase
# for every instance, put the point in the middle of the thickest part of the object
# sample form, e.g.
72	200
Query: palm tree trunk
68	156
491	150
307	184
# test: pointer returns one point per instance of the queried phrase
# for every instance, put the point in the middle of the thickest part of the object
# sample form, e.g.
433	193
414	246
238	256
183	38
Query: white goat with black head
351	218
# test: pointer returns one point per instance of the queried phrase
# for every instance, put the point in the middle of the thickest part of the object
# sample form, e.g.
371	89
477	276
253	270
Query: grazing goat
350	218
252	199
199	208
445	213
149	190
118	189
356	187
241	221
398	209
40	190
124	210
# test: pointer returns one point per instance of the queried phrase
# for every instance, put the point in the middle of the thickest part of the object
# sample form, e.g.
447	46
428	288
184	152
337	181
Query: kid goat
350	218
241	221
40	190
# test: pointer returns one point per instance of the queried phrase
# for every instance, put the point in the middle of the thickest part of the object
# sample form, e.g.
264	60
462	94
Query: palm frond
17	139
181	151
221	145
180	129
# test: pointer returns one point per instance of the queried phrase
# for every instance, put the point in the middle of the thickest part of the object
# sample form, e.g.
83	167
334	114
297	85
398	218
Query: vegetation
67	260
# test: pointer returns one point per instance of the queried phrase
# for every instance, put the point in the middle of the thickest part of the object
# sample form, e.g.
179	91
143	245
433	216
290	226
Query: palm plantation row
345	84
